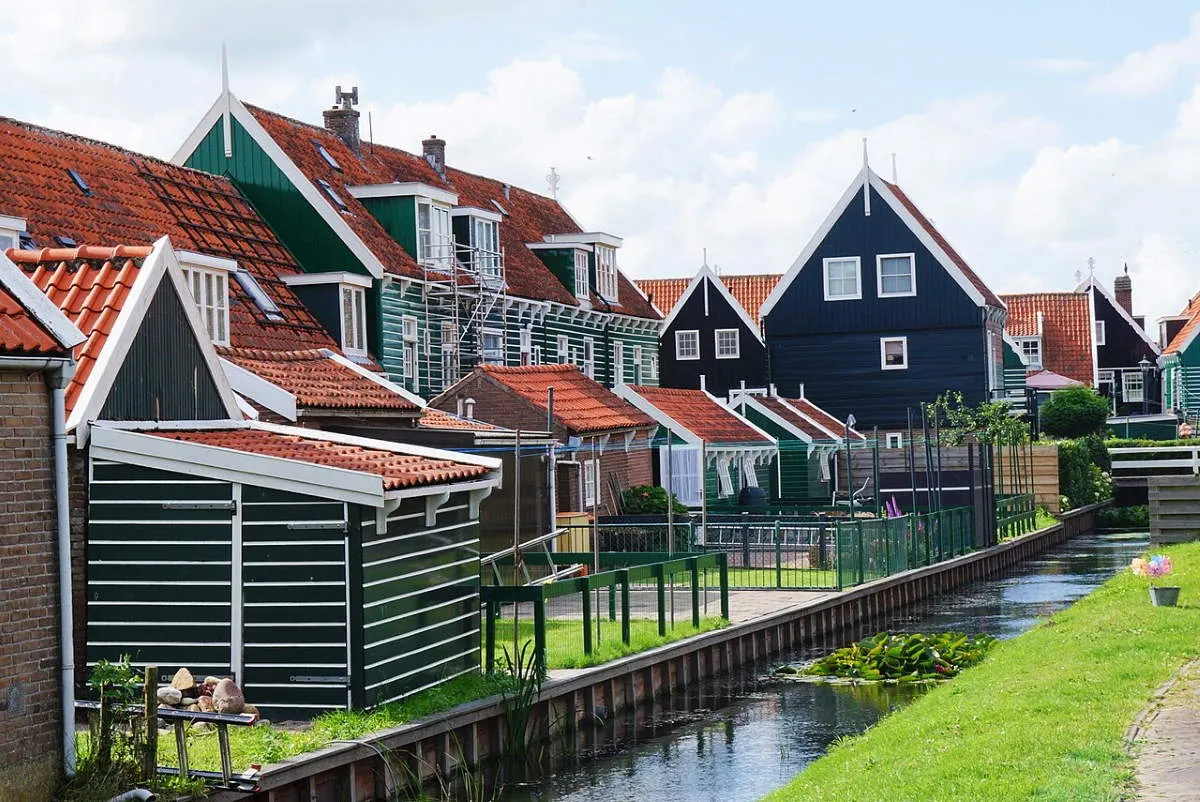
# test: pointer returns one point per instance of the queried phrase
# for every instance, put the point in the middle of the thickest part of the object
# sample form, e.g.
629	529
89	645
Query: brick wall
624	469
29	697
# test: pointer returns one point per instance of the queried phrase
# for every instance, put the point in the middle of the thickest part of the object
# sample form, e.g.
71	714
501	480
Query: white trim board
334	277
49	316
405	189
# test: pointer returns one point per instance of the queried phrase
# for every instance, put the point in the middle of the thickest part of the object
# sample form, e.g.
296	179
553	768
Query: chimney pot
1123	290
435	153
342	120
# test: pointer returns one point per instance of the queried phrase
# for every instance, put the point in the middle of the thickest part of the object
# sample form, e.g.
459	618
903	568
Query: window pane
893	352
843	278
895	275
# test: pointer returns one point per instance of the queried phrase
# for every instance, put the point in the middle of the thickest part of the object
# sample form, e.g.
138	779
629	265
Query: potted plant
1158	565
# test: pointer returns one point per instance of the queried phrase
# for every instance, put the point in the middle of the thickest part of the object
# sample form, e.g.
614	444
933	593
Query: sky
1036	135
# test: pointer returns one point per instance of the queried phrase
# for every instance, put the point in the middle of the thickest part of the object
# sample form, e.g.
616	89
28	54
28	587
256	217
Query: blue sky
1034	134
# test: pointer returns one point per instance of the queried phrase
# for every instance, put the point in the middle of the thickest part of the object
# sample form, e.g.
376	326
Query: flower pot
1164	597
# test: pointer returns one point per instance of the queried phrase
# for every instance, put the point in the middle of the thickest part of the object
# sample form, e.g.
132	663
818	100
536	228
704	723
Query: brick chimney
435	153
1123	290
342	119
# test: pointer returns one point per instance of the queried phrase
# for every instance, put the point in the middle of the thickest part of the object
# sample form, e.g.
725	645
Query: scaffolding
463	285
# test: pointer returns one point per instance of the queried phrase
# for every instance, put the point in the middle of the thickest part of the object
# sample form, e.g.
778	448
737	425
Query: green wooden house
321	570
430	269
1180	361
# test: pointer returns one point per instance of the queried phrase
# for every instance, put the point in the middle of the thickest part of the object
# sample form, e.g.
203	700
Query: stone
228	698
211	680
187	701
183	680
193	708
169	696
205	703
252	710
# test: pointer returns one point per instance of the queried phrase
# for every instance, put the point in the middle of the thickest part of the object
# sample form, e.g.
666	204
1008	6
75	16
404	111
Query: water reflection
738	738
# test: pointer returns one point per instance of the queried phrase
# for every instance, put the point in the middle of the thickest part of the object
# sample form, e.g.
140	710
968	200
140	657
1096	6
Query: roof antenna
552	179
866	171
705	252
895	174
226	112
371	133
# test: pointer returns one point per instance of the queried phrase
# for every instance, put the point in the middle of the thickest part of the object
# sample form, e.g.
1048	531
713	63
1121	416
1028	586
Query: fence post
539	633
586	598
778	557
745	541
862	555
660	583
723	567
612	601
694	566
150	705
623	578
489	645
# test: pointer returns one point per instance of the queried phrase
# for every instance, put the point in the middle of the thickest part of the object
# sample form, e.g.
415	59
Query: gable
1125	343
707	308
164	375
798	306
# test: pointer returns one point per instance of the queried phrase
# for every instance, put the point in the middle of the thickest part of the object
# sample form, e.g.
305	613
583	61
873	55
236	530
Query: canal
742	736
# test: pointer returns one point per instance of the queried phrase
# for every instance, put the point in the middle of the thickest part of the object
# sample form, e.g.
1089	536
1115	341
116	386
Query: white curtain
684	471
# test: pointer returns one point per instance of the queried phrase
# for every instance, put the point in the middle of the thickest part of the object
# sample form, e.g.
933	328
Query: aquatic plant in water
903	657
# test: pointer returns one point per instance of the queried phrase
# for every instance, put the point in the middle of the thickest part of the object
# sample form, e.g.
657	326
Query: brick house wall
30	755
627	469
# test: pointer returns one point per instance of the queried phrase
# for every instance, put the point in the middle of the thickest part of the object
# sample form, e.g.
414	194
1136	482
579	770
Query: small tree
648	500
990	421
1075	412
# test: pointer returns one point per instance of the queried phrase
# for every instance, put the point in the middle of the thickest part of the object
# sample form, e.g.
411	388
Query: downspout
58	381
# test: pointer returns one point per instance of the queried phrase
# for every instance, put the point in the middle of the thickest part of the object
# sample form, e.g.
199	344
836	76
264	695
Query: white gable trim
706	272
743	400
663	419
38	305
867	178
161	263
1128	318
838	436
406	189
254	387
303	185
375	377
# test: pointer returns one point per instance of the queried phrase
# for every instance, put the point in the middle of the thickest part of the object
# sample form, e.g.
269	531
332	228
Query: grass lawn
564	638
1042	718
792	578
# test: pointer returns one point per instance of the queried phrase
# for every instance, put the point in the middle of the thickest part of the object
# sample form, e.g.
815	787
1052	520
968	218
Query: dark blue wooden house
1126	356
879	313
709	340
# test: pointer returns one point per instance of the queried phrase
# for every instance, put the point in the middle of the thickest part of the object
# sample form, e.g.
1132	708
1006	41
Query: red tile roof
580	404
702	416
531	217
317	380
1180	340
398	470
807	417
749	290
89	285
990	297
21	333
136	199
1066	329
432	418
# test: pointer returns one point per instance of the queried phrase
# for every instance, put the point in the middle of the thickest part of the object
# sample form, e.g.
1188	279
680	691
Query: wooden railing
1145	462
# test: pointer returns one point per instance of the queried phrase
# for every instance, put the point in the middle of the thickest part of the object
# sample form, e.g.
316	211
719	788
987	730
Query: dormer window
606	272
435	245
354	320
487	248
338	300
11	229
582	287
208	279
1031	350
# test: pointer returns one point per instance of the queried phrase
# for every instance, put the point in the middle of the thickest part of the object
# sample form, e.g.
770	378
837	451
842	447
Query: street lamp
1146	366
850	421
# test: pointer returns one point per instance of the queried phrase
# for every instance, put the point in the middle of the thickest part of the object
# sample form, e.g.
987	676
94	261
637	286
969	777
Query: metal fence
632	601
1015	515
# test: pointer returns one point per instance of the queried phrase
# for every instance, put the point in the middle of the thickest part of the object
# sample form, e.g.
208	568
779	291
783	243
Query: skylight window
27	243
500	208
251	287
79	182
337	199
65	241
327	156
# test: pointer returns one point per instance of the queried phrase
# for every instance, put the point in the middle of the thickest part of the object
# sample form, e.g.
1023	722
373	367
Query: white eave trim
375	377
262	392
404	189
559	246
743	400
203	260
43	310
335	277
475	211
588	238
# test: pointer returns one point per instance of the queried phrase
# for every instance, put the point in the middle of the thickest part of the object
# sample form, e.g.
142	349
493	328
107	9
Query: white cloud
1153	69
1059	65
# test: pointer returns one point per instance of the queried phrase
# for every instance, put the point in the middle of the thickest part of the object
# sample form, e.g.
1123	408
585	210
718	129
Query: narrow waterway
740	738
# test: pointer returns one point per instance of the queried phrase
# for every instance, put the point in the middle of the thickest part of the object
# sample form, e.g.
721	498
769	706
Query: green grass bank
1043	718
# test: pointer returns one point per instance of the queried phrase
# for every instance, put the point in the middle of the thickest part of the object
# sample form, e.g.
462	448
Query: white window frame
912	275
582	279
525	344
894	440
486	239
562	349
435	241
883	344
483	348
737	344
638	368
535	356
354	327
1132	392
680	336
618	369
409	336
11	229
1100	332
589	484
449	354
606	271
1030	361
589	357
210	291
652	367
825	265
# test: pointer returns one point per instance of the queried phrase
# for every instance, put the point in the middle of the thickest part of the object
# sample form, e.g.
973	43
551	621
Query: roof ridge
267	355
80	253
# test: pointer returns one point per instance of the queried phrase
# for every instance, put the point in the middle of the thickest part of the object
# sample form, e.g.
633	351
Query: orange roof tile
432	418
317	380
664	293
21	333
1066	329
580	404
531	217
988	296
136	199
398	470
749	290
89	285
702	415
1188	330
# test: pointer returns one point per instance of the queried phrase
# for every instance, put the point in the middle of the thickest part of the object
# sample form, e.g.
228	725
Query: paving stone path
1168	743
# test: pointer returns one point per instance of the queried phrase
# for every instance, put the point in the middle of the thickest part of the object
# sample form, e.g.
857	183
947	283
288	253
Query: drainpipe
58	381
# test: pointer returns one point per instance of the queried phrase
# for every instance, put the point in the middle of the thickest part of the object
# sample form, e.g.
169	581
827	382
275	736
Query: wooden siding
706	316
290	215
398	216
841	372
420	599
1174	509
164	375
1123	348
799	474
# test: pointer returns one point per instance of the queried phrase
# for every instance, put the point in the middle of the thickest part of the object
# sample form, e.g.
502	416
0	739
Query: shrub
648	500
1136	517
1075	412
1083	472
